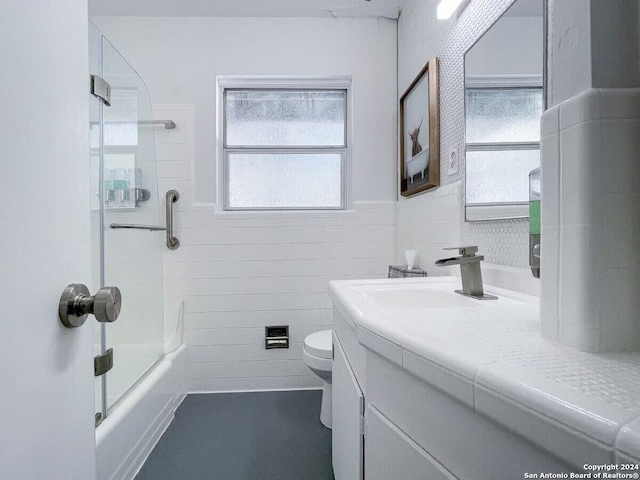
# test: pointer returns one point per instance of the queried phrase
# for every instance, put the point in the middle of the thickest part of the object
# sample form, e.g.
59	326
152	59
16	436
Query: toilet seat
319	344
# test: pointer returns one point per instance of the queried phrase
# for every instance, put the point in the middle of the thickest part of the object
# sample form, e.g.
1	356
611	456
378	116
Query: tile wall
239	271
590	228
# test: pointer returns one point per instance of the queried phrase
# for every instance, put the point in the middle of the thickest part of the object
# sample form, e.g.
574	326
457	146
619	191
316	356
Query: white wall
46	405
569	49
511	47
422	36
592	43
179	58
238	272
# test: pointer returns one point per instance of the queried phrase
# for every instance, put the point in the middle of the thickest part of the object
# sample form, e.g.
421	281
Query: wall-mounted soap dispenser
534	222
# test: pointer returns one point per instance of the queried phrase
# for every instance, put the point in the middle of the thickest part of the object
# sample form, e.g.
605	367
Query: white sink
434	293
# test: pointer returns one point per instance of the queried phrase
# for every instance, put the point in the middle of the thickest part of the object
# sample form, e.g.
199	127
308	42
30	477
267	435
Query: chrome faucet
470	269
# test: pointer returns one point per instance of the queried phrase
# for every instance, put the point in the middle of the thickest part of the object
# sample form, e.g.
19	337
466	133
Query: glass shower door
130	258
95	130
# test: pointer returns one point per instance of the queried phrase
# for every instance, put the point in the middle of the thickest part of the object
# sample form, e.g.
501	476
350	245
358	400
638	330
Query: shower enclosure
124	190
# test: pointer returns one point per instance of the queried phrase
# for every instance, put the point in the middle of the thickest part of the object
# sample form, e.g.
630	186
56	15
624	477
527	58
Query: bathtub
126	437
417	164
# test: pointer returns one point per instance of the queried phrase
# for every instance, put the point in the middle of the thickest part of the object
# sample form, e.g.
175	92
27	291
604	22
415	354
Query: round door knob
106	304
76	304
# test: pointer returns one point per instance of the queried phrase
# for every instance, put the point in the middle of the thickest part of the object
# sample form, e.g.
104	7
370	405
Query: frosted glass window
284	180
285	117
499	176
284	148
503	115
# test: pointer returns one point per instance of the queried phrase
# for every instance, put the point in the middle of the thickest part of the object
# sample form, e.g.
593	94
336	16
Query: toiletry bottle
109	195
534	222
120	185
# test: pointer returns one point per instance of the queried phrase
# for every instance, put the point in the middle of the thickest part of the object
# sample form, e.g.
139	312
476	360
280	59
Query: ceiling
246	8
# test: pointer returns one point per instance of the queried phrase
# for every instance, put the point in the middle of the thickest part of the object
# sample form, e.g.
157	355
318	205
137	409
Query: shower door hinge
363	426
98	419
101	89
103	363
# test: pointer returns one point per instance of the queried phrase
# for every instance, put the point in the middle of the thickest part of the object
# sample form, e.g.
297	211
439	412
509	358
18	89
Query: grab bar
172	242
172	197
134	226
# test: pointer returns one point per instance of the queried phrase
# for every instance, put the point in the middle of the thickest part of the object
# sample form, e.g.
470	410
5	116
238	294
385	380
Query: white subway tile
248	369
550	173
171	169
235	353
165	136
549	288
550	121
237	272
280	301
177	116
278	268
581	108
258	252
581	174
254	285
244	336
581	286
619	326
256	383
259	318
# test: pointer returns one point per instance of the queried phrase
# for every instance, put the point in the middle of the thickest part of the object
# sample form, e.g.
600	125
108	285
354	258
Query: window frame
475	212
288	83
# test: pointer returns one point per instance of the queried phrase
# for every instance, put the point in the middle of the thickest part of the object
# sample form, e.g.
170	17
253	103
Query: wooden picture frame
420	147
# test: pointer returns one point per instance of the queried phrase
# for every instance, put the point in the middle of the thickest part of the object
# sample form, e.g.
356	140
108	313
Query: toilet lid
319	344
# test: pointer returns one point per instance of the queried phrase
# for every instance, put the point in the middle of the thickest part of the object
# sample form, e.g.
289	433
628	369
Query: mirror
504	99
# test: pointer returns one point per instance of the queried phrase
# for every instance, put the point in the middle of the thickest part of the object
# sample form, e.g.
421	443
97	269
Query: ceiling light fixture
446	8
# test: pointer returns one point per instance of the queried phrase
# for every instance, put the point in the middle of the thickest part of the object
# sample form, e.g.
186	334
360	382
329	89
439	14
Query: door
46	398
347	418
124	202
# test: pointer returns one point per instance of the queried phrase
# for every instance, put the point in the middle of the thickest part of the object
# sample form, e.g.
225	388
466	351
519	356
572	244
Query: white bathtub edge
128	435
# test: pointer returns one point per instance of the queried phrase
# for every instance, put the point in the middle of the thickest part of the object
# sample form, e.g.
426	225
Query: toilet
317	355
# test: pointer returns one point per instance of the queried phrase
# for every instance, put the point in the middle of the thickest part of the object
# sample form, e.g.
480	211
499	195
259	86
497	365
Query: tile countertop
582	407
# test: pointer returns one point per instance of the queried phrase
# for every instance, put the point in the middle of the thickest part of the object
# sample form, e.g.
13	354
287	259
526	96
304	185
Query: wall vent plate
276	337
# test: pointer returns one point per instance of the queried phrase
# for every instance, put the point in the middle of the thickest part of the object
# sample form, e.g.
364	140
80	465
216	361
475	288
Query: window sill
301	212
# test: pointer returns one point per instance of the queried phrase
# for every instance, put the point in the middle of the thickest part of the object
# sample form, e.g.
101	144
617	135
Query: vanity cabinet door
347	411
390	453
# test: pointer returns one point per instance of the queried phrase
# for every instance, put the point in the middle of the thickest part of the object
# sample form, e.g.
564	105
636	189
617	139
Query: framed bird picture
420	133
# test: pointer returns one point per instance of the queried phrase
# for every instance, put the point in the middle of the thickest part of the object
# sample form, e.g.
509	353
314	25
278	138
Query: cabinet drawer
390	453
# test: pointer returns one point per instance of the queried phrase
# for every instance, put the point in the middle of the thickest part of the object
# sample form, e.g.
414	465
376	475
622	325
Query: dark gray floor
244	436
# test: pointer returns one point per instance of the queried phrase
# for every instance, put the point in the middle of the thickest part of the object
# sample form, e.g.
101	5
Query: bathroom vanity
429	384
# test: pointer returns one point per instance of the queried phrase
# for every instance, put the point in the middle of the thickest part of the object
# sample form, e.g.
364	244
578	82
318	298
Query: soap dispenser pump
534	222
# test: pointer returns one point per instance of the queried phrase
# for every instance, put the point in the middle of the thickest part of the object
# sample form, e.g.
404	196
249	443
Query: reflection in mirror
503	103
